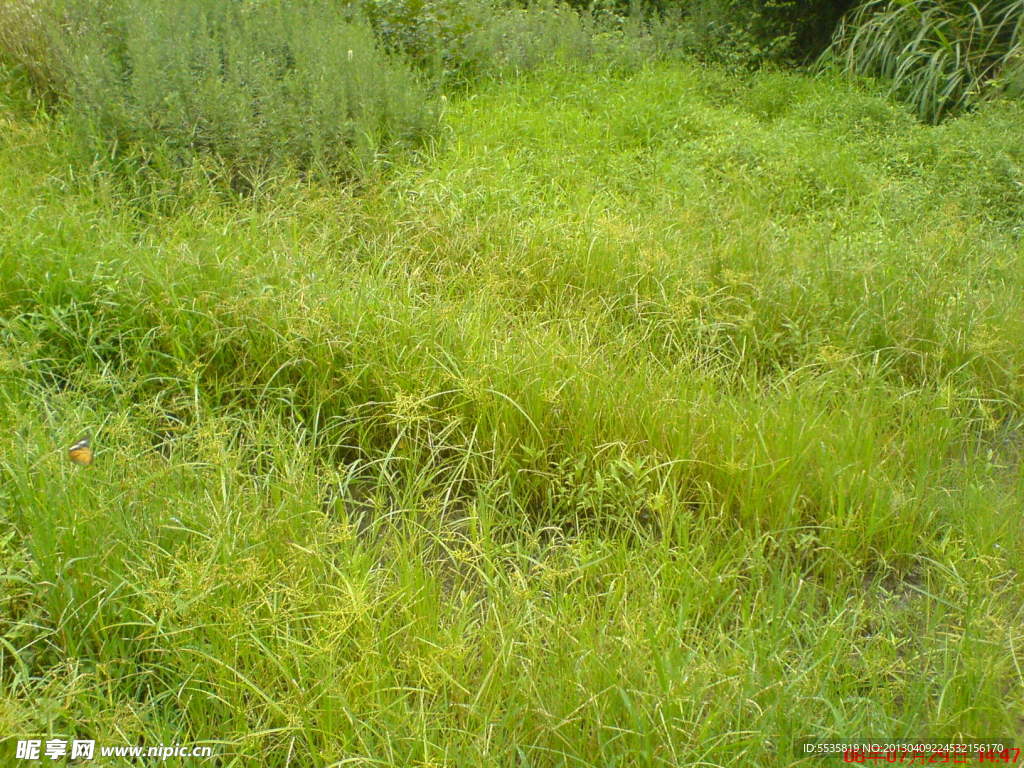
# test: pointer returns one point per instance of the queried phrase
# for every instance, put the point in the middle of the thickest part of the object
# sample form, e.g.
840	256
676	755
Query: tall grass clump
27	42
942	56
255	85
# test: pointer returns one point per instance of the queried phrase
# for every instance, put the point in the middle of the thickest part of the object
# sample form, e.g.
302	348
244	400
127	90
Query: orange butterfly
81	453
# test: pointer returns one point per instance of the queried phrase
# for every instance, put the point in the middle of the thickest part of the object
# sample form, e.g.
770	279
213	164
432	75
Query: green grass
658	419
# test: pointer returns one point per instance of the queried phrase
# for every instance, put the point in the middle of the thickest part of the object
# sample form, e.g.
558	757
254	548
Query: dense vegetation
940	57
533	391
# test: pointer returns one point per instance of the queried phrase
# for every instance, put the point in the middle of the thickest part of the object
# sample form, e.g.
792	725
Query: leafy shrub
733	33
753	31
462	39
258	84
429	32
941	56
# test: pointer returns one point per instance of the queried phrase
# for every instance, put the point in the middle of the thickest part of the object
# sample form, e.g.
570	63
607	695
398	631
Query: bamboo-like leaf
940	56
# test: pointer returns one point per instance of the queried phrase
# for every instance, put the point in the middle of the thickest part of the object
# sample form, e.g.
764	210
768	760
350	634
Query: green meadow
640	415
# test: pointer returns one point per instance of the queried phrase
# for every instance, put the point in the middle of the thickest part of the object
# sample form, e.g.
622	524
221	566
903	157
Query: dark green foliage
458	41
810	23
765	29
742	31
429	32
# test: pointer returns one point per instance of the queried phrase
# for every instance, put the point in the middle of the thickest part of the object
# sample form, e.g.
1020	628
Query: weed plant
649	419
255	85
